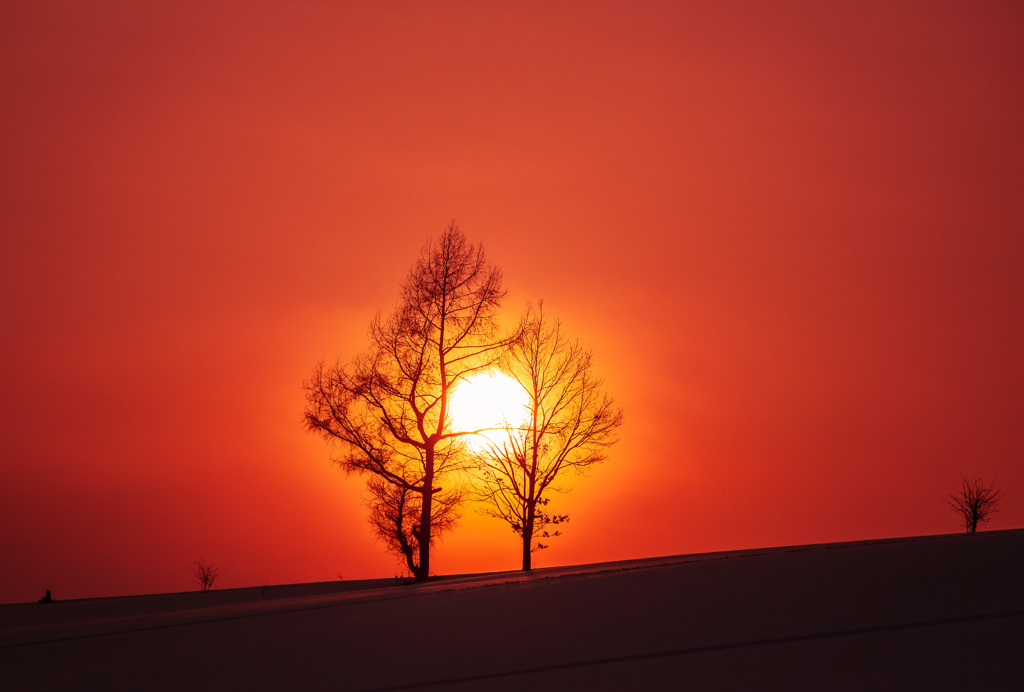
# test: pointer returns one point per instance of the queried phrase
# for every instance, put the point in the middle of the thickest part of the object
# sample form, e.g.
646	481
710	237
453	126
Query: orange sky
790	232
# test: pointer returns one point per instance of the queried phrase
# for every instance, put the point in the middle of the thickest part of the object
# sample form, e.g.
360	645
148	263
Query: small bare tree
205	574
571	424
974	502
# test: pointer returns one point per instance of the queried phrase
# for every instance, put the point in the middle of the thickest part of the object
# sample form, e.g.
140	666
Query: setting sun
488	400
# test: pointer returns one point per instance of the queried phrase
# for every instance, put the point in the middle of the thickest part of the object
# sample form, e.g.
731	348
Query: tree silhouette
387	410
974	502
205	574
571	424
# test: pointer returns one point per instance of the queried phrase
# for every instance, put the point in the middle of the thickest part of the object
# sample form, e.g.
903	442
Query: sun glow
489	401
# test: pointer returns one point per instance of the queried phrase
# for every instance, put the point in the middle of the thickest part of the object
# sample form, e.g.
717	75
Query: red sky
791	232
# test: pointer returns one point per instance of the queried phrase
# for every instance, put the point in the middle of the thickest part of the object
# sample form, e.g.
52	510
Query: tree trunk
528	537
531	502
426	511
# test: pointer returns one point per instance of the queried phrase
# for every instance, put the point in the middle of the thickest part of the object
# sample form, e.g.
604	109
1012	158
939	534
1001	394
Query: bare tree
571	425
387	410
205	574
974	502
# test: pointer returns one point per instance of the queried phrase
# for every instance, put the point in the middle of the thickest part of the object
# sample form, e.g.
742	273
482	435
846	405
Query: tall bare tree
571	425
387	410
974	502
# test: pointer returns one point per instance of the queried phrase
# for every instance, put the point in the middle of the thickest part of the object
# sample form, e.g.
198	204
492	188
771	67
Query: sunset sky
791	233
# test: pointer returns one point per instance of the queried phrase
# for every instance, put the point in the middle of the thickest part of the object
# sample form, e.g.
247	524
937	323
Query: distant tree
571	425
205	574
974	502
387	410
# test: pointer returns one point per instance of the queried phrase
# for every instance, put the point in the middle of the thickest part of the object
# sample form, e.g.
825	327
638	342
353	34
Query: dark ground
940	612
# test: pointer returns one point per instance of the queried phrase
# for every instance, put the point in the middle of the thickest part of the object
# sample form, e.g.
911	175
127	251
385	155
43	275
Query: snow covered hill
937	612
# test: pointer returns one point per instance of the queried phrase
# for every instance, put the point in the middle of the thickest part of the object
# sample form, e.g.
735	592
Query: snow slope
939	612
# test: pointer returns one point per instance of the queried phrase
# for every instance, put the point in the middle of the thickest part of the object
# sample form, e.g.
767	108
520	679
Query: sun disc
488	401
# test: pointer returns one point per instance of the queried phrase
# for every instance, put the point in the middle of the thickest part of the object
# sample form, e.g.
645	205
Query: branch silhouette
205	574
975	502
